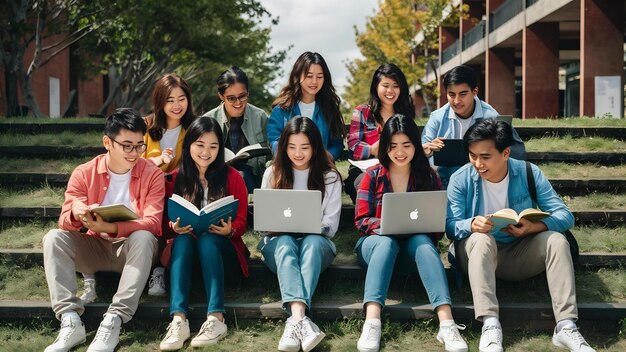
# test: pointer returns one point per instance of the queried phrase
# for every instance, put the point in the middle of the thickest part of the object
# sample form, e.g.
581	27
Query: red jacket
236	187
89	183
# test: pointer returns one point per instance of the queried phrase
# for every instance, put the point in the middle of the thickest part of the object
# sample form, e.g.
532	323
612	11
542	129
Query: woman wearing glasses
242	124
173	113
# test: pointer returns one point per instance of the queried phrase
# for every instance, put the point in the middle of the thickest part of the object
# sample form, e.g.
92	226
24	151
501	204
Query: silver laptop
286	210
413	212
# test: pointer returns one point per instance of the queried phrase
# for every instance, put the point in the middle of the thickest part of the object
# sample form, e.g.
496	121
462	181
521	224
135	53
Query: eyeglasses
128	148
233	99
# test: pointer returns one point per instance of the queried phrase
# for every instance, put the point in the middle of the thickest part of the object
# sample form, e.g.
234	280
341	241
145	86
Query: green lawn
63	139
581	145
253	335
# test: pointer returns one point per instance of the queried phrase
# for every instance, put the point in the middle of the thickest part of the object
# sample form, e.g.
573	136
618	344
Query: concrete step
26	258
610	218
530	316
561	185
525	133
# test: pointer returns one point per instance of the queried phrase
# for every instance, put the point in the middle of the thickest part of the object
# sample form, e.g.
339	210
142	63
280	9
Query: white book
246	152
364	164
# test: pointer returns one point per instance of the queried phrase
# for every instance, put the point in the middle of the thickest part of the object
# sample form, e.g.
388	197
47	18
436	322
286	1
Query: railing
530	2
450	52
505	12
475	34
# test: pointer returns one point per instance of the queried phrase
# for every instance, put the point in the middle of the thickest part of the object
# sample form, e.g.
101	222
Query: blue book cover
201	219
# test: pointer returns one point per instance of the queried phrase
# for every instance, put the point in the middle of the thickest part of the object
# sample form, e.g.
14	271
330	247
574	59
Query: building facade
541	58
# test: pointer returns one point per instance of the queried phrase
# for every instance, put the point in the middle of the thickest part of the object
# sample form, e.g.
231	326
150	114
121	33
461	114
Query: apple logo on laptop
414	214
287	213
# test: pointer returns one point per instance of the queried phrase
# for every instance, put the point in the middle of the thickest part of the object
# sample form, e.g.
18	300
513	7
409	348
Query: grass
254	335
33	119
63	139
596	201
41	165
582	171
570	144
45	196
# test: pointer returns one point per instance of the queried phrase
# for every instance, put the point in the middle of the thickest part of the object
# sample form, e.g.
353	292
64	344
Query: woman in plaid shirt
389	95
403	168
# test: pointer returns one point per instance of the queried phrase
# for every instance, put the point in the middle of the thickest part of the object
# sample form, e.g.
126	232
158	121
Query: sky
324	26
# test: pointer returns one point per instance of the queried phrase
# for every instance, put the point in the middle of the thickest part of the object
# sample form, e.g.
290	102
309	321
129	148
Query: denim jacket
278	120
465	199
442	123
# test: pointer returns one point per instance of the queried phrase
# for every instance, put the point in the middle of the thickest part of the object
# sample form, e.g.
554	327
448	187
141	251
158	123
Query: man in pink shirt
88	244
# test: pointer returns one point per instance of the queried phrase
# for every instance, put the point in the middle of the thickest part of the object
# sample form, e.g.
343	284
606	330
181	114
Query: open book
245	153
364	164
201	219
505	217
115	212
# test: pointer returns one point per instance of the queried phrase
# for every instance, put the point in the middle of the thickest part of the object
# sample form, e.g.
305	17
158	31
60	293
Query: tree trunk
10	86
114	87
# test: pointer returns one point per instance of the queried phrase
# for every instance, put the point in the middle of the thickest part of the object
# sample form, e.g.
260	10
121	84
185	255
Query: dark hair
326	98
489	129
188	183
404	103
459	75
161	92
420	168
319	164
125	118
229	77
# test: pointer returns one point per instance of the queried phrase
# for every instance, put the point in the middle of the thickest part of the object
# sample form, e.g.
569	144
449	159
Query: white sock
72	314
490	320
91	277
177	318
565	323
373	321
446	323
158	271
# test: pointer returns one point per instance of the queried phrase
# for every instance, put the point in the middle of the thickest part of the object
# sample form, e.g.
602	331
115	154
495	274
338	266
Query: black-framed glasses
233	99
128	148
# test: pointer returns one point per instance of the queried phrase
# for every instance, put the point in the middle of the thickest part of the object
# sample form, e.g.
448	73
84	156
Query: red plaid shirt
369	199
363	133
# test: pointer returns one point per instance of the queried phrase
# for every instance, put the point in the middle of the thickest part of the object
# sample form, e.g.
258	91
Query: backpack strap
531	183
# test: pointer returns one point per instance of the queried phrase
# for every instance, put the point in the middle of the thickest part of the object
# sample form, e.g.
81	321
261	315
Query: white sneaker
210	333
310	334
89	291
370	336
572	339
290	340
108	334
491	339
451	338
156	286
177	334
72	333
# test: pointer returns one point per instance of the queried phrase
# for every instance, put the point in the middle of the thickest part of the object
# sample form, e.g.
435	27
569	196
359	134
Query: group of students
305	132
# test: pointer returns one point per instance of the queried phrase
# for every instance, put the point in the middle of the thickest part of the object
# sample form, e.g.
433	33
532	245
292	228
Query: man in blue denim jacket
493	181
463	109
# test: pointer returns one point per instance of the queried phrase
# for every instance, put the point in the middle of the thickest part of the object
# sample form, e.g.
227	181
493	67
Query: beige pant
66	252
483	260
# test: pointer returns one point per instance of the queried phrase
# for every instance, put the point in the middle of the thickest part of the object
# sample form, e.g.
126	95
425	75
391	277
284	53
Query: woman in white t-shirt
302	163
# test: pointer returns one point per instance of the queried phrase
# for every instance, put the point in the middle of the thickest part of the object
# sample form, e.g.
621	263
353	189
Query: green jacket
254	128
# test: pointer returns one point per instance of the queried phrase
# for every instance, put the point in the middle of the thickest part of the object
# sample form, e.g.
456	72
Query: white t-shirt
464	125
495	195
306	109
170	137
118	191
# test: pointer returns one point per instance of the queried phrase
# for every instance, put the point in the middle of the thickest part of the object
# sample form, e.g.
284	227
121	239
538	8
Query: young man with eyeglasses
242	123
86	243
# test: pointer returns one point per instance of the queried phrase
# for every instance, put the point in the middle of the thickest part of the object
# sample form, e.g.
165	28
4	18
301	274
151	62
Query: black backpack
573	244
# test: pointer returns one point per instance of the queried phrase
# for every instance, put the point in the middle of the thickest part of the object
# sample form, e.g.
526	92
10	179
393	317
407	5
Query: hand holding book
505	217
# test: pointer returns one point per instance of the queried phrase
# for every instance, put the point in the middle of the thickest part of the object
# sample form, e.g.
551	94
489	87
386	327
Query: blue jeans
216	253
379	254
298	263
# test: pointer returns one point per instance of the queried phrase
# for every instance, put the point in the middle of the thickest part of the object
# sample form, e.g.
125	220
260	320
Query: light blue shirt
465	199
443	123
